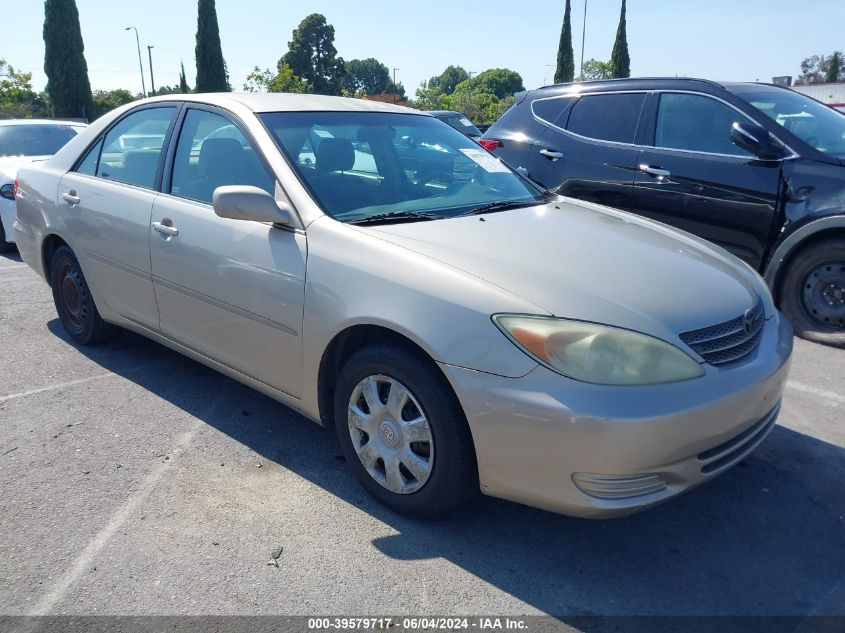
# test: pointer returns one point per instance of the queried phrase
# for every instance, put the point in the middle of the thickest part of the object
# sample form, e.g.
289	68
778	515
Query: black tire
812	294
453	478
74	303
5	246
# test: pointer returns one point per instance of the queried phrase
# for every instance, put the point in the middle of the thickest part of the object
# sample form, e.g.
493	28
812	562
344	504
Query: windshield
814	123
363	164
34	139
461	124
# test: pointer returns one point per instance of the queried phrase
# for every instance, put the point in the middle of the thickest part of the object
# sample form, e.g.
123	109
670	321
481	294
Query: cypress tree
211	69
184	88
565	57
832	74
620	62
64	61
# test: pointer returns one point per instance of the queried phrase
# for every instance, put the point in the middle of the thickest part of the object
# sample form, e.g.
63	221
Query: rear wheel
813	293
403	432
74	304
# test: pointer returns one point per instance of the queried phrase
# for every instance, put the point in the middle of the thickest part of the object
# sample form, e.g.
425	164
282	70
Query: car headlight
598	353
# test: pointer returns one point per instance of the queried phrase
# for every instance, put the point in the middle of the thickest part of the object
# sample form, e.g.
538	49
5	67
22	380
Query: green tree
64	60
430	98
107	100
620	61
211	68
833	68
501	82
366	76
313	58
17	98
282	81
184	88
595	69
565	71
449	79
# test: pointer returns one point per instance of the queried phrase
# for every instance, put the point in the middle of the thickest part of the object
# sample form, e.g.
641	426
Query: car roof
40	122
286	102
445	113
654	83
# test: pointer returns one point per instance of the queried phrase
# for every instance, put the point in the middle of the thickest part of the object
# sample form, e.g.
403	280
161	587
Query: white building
831	94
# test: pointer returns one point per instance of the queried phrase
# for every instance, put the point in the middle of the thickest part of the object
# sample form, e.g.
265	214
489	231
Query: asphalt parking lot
136	481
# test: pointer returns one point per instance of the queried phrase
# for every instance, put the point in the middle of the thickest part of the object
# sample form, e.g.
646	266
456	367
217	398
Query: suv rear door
693	177
587	150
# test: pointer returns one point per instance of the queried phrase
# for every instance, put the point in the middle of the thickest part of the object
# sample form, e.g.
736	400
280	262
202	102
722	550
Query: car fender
794	240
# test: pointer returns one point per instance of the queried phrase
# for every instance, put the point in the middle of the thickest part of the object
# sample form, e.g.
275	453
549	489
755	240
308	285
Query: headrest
335	154
219	156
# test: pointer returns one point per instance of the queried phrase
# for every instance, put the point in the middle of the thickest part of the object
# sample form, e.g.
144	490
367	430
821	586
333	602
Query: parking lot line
822	393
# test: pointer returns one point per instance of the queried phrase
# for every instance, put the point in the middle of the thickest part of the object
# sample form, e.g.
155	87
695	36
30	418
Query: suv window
607	117
696	123
552	110
213	152
131	149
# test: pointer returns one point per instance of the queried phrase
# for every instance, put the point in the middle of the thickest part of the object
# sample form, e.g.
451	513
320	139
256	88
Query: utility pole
140	62
395	89
152	81
583	37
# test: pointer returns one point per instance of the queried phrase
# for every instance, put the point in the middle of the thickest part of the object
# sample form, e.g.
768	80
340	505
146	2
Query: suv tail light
489	143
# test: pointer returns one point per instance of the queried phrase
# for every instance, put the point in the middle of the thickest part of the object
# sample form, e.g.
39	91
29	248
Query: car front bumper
601	451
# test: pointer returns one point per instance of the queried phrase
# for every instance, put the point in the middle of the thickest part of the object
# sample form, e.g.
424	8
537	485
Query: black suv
755	168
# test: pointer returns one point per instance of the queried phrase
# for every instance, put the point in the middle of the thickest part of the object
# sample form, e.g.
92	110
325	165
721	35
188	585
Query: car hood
582	261
9	165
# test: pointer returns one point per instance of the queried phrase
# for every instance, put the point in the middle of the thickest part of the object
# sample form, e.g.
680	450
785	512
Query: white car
25	141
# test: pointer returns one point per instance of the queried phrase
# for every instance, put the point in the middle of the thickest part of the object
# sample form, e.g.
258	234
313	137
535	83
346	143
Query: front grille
729	341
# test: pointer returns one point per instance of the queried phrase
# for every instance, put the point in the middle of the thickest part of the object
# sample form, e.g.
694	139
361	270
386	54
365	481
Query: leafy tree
620	62
430	98
449	79
64	60
595	69
565	71
17	98
815	69
833	68
212	75
313	58
477	104
283	81
389	97
107	100
366	76
184	88
396	89
501	82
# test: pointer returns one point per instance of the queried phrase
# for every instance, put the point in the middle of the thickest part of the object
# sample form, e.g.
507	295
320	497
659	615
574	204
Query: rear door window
607	117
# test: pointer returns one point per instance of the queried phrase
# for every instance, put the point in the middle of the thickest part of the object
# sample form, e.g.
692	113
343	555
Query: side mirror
755	139
242	202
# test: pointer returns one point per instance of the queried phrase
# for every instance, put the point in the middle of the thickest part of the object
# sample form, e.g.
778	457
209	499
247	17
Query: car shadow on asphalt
12	256
765	538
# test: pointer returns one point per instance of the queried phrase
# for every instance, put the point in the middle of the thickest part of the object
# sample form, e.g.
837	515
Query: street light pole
140	61
152	81
395	89
583	36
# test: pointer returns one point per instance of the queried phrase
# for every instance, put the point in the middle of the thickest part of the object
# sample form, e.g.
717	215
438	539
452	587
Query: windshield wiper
395	216
502	205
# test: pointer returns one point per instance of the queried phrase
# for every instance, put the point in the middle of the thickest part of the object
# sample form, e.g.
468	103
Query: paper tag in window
485	160
465	121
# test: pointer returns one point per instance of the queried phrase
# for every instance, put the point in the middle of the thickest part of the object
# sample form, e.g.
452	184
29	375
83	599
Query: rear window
461	123
607	117
33	139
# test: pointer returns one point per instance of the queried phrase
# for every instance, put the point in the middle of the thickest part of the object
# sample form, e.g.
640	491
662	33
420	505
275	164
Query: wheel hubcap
390	434
824	295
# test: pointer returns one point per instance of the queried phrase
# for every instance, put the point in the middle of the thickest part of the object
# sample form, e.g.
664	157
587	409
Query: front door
108	199
693	177
230	289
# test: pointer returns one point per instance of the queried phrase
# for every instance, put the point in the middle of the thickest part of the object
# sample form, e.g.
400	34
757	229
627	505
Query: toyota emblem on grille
748	321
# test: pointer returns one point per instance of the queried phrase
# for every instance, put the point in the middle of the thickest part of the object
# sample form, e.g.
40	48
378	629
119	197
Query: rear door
230	289
693	177
588	151
107	201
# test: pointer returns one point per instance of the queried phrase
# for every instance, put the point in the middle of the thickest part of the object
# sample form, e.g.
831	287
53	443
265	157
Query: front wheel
813	293
74	303
403	432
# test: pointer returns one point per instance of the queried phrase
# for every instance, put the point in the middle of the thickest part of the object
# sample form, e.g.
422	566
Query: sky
741	40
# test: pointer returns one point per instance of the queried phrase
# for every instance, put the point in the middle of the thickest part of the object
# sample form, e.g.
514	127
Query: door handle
659	172
551	154
165	227
71	198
